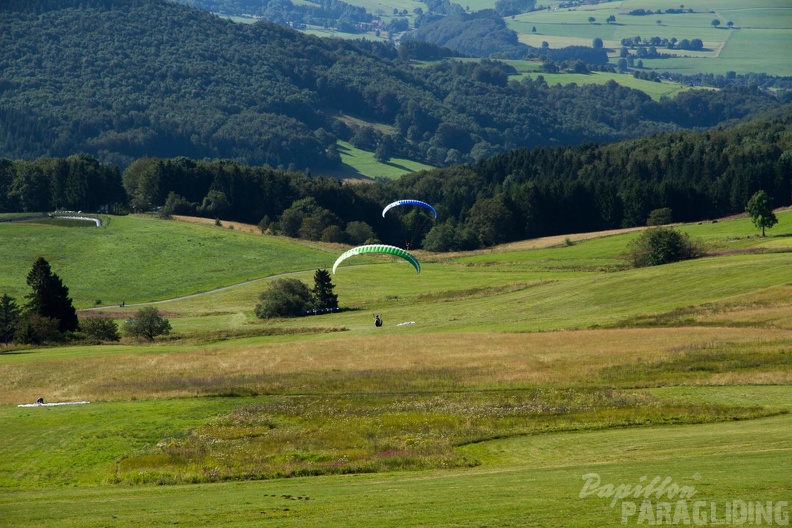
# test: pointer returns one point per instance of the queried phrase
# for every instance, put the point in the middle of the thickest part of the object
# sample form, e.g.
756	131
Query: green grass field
361	164
527	369
655	90
126	261
758	41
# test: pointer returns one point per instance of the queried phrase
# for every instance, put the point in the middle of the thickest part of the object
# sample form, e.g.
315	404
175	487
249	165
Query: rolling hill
527	367
124	79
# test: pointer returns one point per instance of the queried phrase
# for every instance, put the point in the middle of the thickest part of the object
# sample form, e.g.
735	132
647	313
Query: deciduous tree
359	232
760	209
101	327
147	324
658	217
662	245
34	329
284	298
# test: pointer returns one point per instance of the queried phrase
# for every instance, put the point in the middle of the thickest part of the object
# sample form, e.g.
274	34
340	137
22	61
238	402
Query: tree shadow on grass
396	166
14	352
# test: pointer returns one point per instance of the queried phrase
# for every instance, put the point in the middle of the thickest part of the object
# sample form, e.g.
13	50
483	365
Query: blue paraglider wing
408	202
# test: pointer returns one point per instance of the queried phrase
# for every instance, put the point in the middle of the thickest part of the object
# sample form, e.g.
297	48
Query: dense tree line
324	13
525	193
531	193
127	79
419	50
657	42
514	7
478	34
783	85
485	34
78	182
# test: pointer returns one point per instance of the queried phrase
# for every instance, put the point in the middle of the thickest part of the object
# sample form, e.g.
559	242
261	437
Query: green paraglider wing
378	248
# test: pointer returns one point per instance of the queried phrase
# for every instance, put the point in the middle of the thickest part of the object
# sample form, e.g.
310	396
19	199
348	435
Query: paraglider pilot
377	320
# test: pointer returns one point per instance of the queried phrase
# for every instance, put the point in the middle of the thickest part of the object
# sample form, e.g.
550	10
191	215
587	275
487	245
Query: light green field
128	261
331	33
384	8
527	367
538	484
758	42
655	90
361	164
532	70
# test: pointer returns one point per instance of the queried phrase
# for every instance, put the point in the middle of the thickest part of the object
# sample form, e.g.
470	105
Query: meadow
523	369
357	164
757	42
655	90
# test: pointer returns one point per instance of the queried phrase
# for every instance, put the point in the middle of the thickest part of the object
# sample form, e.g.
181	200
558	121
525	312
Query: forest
325	13
521	194
121	80
485	34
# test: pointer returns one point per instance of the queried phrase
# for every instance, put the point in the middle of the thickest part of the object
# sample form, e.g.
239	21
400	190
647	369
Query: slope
121	79
465	417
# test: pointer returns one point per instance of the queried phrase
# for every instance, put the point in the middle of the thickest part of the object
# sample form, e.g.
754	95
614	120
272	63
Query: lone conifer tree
9	316
322	292
50	298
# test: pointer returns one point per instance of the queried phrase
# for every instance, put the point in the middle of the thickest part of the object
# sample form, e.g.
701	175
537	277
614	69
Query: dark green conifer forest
127	79
524	193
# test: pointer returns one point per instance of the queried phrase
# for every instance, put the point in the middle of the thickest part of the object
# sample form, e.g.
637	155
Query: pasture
758	40
360	164
526	367
655	90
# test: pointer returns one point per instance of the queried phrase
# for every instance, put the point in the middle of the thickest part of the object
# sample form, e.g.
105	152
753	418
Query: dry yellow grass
237	226
558	240
445	361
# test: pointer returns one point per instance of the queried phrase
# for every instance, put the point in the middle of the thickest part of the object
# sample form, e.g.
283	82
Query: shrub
658	217
662	245
284	298
359	232
264	224
101	328
148	324
34	329
333	233
176	205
